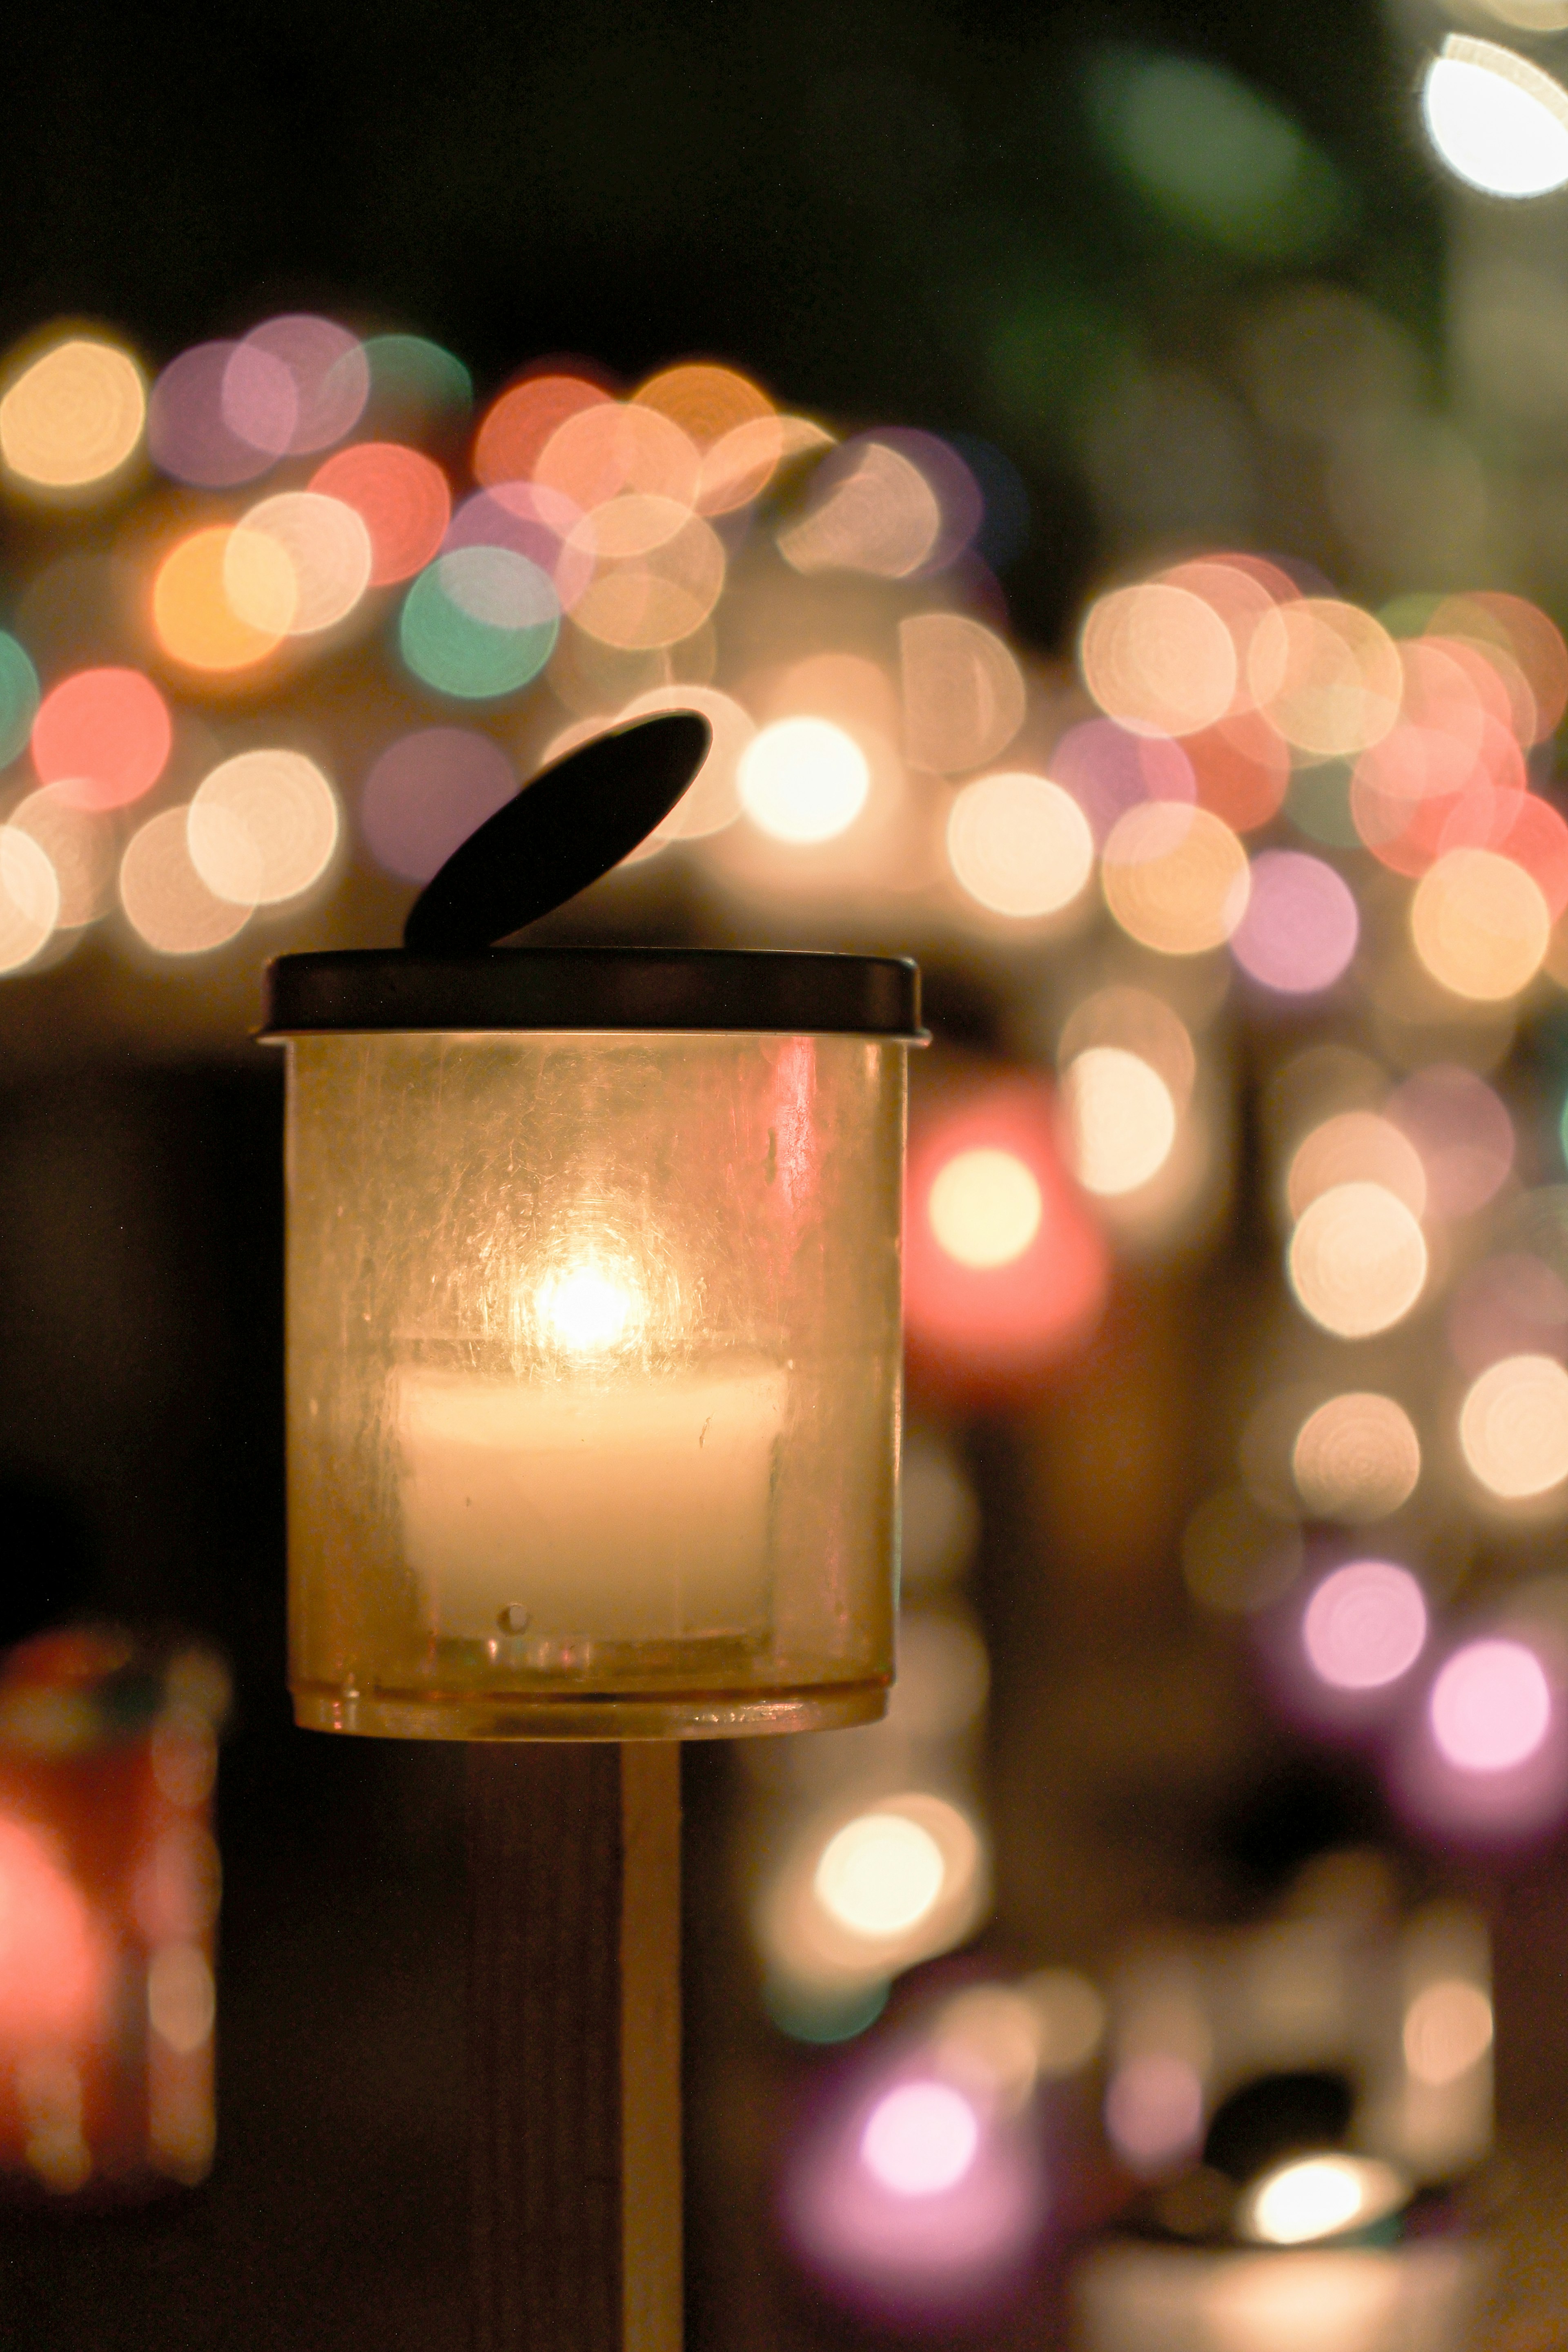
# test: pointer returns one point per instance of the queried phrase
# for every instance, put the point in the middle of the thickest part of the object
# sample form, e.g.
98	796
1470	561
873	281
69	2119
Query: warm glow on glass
921	2139
1448	2030
1356	1458
1490	1707
1366	1625
166	900
985	1207
73	416
587	1312
1158	657
29	897
1019	846
327	547
263	827
1123	1120
1357	1146
1175	877
1480	924
1327	674
963	692
1320	2196
1513	1426
879	1875
103	736
803	779
1496	121
1357	1260
197	624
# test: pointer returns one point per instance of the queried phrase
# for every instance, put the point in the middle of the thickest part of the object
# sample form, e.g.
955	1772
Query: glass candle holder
593	1308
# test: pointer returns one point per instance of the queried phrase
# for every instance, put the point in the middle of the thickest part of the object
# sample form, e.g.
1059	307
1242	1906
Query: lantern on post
593	1314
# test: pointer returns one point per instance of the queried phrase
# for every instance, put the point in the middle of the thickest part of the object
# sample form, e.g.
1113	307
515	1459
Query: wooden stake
574	2046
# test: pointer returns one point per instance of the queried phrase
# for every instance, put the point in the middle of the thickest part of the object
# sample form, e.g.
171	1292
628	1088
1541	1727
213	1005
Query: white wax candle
612	1510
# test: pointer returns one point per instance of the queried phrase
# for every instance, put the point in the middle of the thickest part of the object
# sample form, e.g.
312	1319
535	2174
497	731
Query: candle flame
585	1311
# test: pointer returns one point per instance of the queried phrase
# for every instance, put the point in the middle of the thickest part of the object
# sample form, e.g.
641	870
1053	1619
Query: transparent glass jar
594	1349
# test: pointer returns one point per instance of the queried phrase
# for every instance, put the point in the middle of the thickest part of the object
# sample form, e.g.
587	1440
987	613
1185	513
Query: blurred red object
1006	1269
108	1897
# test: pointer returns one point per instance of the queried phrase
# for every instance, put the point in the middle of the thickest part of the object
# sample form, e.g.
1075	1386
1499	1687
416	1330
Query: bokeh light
873	511
1463	1133
1154	2111
657	572
978	1324
1019	846
1448	2030
263	827
427	793
1480	925
18	698
1364	1625
80	845
1510	1304
1490	1707
188	434
1356	1147
168	905
608	449
963	692
1314	2197
517	425
1109	770
920	2139
1513	1427
479	624
400	495
1327	675
1176	878
1158	657
327	548
1498	122
880	1874
295	385
985	1207
1300	927
1123	1120
1357	1260
74	416
103	736
1357	1458
196	623
30	899
803	779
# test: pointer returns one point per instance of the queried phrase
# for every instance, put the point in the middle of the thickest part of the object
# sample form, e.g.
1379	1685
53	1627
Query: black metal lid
595	989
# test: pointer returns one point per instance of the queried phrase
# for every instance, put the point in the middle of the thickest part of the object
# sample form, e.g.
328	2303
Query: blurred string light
74	416
1356	1458
1364	1625
1498	122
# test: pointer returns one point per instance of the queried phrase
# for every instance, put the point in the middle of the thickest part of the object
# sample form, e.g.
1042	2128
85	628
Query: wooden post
574	2045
